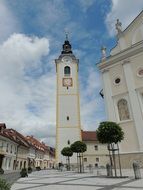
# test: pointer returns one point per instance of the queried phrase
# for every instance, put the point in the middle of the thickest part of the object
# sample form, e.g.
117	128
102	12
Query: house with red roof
18	151
97	154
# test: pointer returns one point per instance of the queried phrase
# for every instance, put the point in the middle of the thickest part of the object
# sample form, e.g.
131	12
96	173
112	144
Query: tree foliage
109	132
66	151
4	185
78	147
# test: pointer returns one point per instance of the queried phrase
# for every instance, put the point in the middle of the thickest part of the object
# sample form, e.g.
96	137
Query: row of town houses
18	151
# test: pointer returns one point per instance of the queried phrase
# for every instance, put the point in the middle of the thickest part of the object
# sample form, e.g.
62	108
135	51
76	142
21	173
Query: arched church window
67	70
123	110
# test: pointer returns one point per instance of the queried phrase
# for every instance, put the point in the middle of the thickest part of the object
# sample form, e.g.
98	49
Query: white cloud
125	11
92	105
26	101
86	4
8	22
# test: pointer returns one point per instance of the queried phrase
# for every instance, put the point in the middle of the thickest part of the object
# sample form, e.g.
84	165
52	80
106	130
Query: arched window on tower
67	70
123	110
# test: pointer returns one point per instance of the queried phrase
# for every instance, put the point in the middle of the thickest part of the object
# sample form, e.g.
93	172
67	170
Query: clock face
67	81
67	59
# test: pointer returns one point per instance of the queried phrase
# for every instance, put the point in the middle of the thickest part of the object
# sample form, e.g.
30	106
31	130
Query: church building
122	74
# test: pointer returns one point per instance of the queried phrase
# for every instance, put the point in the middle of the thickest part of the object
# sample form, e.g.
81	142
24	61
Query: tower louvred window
67	70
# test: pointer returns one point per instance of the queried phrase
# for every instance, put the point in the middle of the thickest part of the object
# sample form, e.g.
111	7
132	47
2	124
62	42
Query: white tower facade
68	127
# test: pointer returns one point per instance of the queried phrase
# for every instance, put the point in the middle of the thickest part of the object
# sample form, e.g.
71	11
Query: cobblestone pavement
56	180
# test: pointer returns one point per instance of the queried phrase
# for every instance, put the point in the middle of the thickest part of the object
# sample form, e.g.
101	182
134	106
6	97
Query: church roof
89	135
139	16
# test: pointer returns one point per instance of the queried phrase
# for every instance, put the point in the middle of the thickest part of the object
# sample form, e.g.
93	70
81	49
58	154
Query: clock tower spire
66	46
68	127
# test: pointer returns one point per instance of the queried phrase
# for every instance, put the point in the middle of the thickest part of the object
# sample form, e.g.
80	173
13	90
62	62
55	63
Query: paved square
56	180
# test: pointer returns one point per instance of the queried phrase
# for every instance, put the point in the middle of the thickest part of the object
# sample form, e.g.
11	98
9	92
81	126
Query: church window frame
67	71
123	110
140	96
142	101
140	72
117	80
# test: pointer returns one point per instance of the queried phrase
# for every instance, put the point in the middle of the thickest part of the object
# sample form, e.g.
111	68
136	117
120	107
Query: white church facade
122	74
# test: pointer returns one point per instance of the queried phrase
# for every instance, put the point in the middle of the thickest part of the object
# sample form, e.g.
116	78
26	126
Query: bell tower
68	127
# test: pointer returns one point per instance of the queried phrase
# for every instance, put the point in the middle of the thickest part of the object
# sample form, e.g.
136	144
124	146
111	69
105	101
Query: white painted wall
67	106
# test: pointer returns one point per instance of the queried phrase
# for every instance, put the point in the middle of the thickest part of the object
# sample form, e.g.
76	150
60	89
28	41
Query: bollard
109	170
136	169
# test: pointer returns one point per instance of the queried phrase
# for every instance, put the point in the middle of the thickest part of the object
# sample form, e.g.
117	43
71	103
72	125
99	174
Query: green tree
66	151
111	133
79	147
4	185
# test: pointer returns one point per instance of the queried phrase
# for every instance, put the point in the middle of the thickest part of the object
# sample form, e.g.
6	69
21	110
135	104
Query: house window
1	144
97	159
67	71
5	162
9	162
96	165
7	148
20	164
96	147
68	141
123	110
15	150
85	159
11	149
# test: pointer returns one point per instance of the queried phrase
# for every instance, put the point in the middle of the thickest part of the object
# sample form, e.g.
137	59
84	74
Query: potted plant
29	170
23	172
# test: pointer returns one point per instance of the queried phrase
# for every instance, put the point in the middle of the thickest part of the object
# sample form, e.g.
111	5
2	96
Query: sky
31	37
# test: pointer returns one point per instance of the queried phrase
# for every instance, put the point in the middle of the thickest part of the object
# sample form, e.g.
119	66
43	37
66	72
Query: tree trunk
80	163
114	160
111	162
119	161
77	163
69	164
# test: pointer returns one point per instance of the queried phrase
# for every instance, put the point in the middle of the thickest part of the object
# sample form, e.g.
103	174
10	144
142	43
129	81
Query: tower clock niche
68	127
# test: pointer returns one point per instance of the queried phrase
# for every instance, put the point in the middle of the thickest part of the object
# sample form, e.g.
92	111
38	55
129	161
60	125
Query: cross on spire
67	34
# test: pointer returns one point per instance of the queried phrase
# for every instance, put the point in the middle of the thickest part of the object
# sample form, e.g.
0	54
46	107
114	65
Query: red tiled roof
17	137
40	145
36	143
89	135
13	135
25	141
